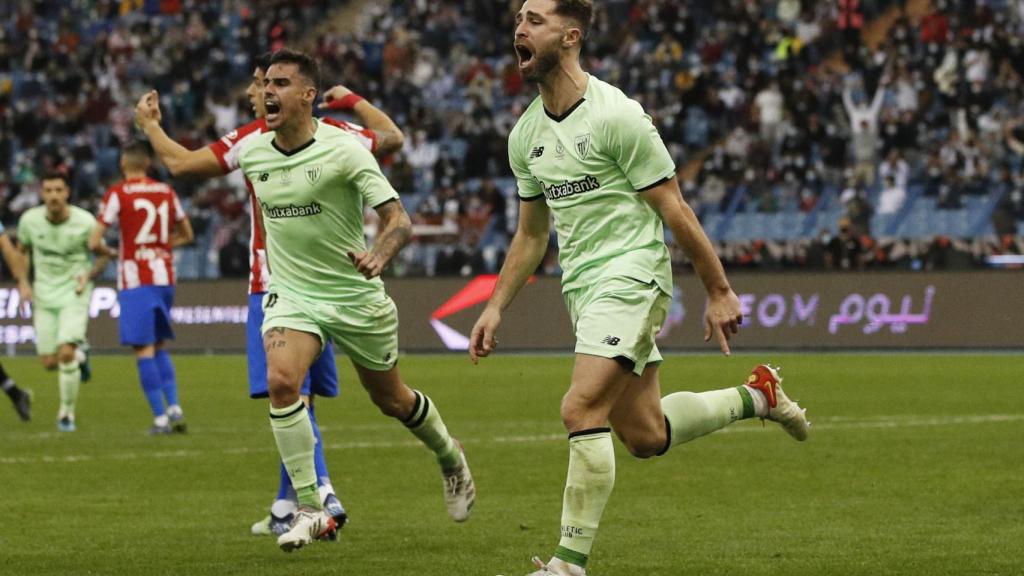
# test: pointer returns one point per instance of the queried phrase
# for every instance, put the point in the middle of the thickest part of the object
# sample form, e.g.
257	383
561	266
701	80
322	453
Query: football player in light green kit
587	155
312	181
55	236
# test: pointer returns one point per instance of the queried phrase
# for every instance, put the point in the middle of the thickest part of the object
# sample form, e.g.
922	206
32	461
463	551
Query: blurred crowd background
841	134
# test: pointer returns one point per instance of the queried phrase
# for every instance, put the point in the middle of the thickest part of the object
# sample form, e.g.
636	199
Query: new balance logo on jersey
556	191
610	340
291	211
537	152
264	177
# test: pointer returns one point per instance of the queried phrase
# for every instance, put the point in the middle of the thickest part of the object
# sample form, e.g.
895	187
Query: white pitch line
833	423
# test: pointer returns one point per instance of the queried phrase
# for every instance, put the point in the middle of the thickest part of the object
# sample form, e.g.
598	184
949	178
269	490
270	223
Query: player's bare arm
183	233
723	315
11	255
395	232
181	161
20	272
388	135
103	254
96	243
524	256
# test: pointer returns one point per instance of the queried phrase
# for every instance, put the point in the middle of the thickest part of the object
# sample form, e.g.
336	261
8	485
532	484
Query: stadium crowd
783	105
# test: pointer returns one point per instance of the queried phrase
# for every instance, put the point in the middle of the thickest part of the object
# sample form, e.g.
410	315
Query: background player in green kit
55	236
588	156
312	181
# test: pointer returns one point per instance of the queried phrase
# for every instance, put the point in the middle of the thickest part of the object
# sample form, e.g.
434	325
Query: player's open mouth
525	55
273	109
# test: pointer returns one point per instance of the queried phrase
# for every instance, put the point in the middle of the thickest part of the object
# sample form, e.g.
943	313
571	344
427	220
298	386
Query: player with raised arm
22	399
152	224
587	155
55	237
312	181
382	137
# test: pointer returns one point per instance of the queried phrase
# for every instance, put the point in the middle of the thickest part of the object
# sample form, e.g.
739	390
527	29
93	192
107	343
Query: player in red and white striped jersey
381	136
152	224
145	210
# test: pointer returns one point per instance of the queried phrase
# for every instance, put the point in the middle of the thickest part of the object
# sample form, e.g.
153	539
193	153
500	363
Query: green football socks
587	489
691	415
425	423
69	378
295	441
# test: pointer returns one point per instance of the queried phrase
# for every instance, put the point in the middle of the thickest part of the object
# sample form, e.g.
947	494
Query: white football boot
308	525
781	409
459	489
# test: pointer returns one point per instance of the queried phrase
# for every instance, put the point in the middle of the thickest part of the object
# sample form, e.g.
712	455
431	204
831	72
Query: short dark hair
582	11
307	65
56	175
263	61
137	148
137	154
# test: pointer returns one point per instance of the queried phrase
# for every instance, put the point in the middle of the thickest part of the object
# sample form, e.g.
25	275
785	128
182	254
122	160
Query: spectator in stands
866	146
864	116
858	210
894	165
844	250
892	197
768	112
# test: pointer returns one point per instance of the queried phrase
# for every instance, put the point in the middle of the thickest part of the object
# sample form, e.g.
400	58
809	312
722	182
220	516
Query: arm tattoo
396	230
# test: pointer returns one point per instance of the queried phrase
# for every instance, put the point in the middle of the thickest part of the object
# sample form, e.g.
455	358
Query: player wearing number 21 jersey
152	223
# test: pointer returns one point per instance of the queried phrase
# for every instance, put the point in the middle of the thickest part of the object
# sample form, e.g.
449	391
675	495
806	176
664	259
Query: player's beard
543	64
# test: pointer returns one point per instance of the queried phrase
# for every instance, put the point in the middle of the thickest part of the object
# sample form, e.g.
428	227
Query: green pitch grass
914	466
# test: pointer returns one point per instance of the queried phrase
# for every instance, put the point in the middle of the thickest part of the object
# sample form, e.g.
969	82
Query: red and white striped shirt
146	211
227	151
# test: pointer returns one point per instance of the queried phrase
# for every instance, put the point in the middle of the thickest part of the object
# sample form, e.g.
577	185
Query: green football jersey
60	253
312	201
589	165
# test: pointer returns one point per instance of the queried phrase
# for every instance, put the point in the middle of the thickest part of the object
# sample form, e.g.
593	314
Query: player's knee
283	387
66	355
144	351
579	413
50	362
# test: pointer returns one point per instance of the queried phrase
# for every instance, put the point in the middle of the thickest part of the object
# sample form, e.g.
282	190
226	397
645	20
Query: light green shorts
619	318
367	333
64	325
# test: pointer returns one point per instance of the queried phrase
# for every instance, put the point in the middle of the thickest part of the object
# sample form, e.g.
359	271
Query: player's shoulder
81	214
341	135
258	126
329	129
612	103
255	142
527	122
33	215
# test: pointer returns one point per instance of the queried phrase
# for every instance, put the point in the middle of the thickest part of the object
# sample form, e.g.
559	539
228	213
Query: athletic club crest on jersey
583	145
313	173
